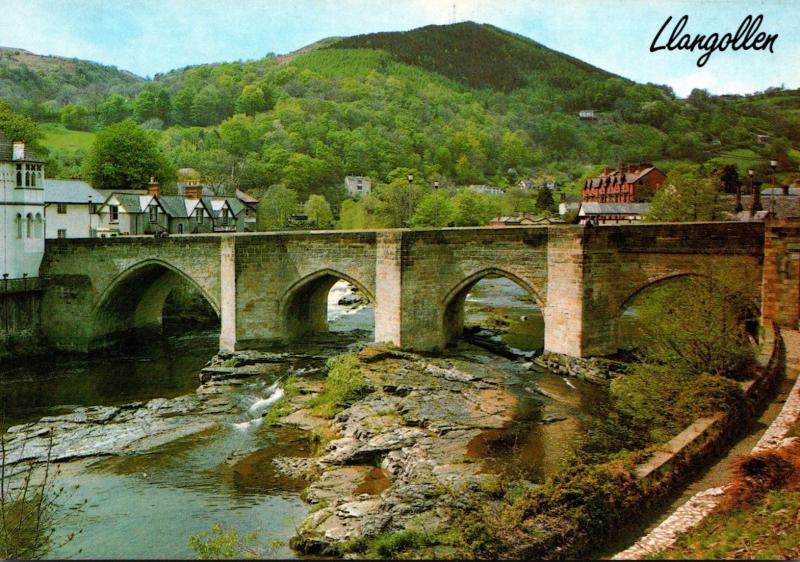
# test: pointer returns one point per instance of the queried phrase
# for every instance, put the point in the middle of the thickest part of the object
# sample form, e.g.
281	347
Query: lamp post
738	197
772	164
755	205
410	178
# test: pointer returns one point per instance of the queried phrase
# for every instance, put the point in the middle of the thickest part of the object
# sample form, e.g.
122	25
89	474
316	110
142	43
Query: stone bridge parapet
272	287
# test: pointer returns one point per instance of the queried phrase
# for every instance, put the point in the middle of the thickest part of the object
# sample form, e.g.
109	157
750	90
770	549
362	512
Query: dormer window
225	216
114	212
153	213
198	215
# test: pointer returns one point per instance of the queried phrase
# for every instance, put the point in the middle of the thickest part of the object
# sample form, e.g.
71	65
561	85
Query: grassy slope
766	530
57	137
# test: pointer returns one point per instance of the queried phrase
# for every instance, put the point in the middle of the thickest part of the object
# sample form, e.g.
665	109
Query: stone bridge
272	287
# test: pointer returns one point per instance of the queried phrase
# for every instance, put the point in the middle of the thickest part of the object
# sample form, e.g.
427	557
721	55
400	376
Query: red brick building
632	183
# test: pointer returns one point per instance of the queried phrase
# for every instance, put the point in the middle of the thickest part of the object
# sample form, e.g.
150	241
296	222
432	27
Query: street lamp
772	164
755	205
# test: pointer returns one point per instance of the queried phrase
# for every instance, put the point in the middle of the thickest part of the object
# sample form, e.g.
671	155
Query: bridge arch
304	306
132	303
623	332
452	304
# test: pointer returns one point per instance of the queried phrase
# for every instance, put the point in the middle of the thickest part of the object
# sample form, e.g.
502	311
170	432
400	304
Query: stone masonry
272	287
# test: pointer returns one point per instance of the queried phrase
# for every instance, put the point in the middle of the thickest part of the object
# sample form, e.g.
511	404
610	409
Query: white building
69	208
357	185
21	210
486	189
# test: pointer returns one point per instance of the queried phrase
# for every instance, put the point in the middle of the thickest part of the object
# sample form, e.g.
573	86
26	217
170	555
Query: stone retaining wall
703	503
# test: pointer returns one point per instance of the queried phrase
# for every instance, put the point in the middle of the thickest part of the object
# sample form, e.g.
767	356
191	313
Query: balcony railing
20	285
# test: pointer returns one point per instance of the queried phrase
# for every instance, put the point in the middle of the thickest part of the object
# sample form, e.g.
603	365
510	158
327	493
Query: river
148	505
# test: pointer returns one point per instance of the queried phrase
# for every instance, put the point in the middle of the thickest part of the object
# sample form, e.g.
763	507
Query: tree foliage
125	156
318	211
276	207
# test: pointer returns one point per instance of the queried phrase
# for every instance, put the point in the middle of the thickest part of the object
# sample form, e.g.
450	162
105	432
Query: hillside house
357	186
634	183
486	189
587	114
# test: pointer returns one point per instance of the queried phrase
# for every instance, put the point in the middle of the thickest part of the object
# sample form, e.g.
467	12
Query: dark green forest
458	104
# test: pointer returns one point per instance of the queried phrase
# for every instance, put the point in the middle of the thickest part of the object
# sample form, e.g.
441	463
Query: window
39	226
19	225
62	232
29	226
27	178
153	213
19	175
198	215
114	211
180	228
62	208
224	216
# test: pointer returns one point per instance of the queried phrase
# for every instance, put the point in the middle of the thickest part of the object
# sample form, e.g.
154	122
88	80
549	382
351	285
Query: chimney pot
18	150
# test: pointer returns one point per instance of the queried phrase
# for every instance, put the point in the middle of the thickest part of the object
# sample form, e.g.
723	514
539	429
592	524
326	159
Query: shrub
757	473
344	385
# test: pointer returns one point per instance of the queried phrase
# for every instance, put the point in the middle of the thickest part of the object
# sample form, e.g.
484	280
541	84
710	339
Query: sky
154	36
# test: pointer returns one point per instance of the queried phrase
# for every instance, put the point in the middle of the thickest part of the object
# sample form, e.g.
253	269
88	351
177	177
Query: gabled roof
216	204
70	191
131	203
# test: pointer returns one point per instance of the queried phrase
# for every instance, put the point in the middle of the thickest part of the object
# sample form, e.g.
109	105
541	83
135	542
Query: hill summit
477	55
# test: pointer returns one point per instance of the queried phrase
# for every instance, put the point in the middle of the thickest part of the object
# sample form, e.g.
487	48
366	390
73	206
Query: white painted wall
20	254
75	221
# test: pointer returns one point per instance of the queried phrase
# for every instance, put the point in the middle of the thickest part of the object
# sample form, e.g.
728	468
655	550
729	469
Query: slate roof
595	208
175	206
7	151
70	191
245	197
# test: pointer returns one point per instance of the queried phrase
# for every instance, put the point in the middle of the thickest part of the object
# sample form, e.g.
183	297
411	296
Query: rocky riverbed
430	431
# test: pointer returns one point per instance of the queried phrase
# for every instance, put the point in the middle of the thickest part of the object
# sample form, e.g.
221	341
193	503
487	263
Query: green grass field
57	137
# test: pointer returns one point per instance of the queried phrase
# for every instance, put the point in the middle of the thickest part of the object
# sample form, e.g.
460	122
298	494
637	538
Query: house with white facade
357	186
486	189
21	210
69	207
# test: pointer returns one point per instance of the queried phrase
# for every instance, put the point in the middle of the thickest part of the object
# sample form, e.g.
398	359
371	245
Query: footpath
701	497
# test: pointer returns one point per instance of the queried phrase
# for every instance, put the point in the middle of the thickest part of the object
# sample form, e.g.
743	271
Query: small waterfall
258	405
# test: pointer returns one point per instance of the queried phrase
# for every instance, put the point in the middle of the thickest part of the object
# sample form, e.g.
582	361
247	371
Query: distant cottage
357	186
633	183
486	189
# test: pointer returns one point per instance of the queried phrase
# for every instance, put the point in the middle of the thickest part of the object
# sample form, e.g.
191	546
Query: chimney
18	150
153	188
193	190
